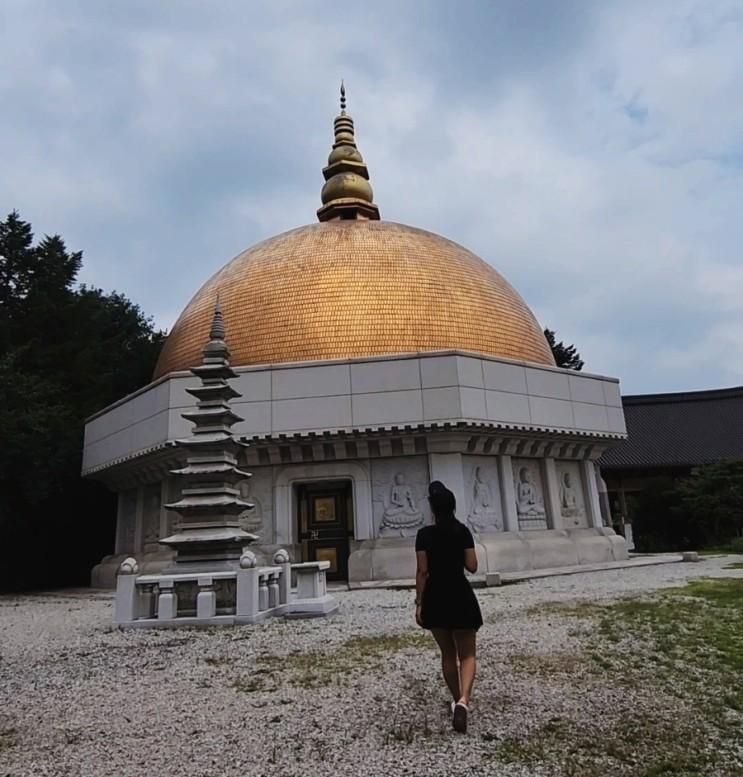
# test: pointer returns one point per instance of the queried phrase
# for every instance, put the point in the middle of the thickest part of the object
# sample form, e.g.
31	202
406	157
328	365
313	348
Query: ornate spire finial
217	331
347	193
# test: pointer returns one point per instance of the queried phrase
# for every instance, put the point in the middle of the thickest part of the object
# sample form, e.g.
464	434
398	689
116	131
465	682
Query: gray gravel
78	697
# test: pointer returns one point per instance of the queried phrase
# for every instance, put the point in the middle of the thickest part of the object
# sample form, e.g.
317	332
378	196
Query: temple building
670	435
371	358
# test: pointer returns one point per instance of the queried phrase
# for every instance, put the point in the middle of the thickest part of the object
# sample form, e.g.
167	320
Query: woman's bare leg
449	666
464	639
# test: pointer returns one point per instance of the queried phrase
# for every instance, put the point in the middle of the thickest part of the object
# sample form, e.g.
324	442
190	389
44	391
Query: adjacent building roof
679	430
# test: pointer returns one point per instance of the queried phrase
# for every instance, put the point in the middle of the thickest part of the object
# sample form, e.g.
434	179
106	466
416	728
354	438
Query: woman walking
445	601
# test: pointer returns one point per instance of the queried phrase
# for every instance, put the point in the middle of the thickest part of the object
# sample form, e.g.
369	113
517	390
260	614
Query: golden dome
354	288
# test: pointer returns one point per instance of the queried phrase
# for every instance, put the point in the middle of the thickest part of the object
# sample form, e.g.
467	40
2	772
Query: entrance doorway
326	524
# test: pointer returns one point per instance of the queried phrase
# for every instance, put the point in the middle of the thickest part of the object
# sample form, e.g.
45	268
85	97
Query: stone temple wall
362	394
547	502
515	442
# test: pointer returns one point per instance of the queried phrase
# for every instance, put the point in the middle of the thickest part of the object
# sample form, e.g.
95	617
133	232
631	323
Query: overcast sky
591	151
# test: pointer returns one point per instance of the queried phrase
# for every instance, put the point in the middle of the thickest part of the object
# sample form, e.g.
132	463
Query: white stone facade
515	442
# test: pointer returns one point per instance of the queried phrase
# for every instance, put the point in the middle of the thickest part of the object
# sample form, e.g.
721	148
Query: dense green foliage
65	352
702	510
565	355
711	501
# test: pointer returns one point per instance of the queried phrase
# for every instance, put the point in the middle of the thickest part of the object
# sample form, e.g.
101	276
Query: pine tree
65	352
565	355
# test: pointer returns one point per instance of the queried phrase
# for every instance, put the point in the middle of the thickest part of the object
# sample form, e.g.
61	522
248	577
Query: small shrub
736	545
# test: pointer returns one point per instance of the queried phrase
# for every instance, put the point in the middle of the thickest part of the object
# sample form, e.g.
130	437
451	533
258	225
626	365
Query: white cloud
600	169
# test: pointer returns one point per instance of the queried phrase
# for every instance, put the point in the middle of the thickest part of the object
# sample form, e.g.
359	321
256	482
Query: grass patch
680	653
731	549
638	745
251	684
546	664
382	644
8	738
562	610
217	661
316	669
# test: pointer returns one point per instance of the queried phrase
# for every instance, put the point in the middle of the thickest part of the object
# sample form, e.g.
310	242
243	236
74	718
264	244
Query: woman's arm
470	560
421	575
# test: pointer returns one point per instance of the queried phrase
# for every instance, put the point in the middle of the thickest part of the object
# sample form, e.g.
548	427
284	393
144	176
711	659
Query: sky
591	151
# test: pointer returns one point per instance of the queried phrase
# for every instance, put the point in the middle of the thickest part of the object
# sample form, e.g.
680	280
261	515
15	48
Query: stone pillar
206	599
167	602
262	590
622	506
148	600
283	512
592	494
281	558
139	525
120	532
165	496
273	590
247	593
125	604
508	494
126	522
152	501
603	496
552	495
447	467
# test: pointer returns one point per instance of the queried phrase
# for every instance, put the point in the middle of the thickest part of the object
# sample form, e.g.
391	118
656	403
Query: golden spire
347	193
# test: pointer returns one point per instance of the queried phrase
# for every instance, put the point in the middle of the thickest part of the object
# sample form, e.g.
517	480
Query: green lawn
676	662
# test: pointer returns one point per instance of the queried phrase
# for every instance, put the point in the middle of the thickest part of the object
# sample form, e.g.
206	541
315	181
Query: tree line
66	351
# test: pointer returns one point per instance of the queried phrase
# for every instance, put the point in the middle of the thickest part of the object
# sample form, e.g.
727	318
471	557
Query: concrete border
498	578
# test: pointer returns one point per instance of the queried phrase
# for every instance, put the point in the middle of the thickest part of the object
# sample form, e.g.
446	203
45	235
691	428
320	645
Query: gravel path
357	694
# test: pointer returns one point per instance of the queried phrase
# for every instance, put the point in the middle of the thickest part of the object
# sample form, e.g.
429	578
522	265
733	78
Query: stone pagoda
209	534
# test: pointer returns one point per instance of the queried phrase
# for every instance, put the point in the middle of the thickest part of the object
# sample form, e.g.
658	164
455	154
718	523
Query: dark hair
443	504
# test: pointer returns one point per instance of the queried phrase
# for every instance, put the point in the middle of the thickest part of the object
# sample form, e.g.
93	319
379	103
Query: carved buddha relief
402	514
570	493
399	485
529	500
483	497
251	520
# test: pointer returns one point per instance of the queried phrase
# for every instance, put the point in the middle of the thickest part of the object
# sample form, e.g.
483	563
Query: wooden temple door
326	524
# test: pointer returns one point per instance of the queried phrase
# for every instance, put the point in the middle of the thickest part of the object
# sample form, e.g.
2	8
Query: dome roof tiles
355	288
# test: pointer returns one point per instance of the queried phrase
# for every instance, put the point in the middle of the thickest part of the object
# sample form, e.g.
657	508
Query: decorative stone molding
281	556
248	560
129	566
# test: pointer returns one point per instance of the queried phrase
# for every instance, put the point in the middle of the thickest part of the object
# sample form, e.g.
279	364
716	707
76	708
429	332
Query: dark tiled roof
676	430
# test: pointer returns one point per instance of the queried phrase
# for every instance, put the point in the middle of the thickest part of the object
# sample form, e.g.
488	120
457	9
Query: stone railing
245	595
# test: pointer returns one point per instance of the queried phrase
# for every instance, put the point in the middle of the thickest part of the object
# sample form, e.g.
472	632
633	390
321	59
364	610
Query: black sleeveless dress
448	599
